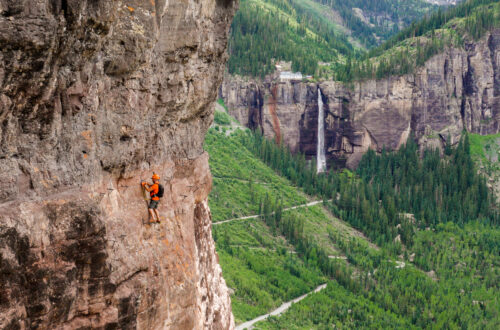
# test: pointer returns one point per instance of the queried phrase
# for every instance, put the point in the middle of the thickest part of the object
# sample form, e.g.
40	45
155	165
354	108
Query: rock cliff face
458	89
95	95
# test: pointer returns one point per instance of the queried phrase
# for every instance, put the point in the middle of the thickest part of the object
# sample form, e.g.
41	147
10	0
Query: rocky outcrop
456	90
95	96
275	107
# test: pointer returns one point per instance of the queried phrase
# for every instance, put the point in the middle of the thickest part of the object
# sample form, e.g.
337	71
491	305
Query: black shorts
153	204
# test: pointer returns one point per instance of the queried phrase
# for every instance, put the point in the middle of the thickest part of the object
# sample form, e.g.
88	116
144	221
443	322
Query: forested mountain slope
372	22
457	27
263	30
308	31
436	263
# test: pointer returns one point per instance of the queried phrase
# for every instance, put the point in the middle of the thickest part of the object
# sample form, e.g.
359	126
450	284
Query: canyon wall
455	90
95	95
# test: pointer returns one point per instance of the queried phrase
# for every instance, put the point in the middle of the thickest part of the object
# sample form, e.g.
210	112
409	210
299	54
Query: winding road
278	311
256	216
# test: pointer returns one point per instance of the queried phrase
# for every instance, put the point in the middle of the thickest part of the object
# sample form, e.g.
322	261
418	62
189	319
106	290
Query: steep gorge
95	95
455	90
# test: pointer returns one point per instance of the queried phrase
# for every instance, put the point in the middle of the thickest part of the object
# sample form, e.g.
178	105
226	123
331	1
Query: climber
156	192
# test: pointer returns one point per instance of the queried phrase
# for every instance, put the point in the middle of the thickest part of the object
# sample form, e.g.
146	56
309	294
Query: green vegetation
433	190
379	201
413	46
263	30
363	17
320	230
336	306
237	178
222	118
438	260
220	101
478	18
261	268
308	31
461	289
485	151
484	148
461	254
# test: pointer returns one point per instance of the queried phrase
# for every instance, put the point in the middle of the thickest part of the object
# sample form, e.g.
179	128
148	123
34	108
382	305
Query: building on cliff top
290	76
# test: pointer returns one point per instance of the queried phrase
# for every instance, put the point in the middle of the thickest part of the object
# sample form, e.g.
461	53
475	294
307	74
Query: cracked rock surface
95	95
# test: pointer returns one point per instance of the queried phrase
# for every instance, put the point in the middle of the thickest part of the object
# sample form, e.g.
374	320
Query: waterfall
320	151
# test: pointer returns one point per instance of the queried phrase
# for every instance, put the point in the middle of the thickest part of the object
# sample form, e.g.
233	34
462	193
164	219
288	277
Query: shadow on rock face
225	3
55	276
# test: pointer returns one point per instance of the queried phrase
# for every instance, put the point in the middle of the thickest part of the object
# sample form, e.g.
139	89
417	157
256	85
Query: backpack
160	191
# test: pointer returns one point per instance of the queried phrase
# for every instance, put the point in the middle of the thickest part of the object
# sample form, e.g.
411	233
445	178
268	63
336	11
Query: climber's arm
146	186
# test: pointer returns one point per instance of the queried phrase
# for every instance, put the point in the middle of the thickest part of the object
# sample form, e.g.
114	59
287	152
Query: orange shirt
154	190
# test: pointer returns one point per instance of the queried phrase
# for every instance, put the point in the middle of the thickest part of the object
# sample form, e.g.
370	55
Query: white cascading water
320	151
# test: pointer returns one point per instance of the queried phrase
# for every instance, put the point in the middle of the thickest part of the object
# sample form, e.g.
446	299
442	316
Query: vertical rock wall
272	106
95	95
